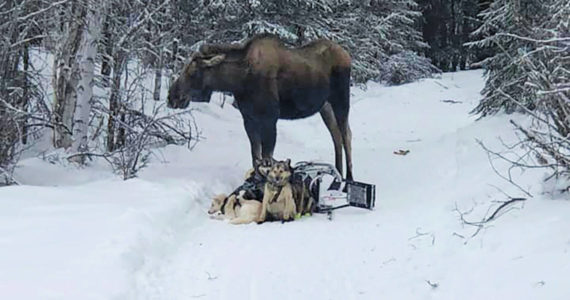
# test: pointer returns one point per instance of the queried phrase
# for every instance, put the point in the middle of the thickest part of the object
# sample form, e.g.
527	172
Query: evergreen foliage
530	73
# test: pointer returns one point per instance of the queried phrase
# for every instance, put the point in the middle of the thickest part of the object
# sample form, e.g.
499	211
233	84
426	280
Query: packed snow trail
150	238
389	253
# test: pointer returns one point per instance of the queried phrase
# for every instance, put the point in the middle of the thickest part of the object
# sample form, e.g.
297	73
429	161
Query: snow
69	233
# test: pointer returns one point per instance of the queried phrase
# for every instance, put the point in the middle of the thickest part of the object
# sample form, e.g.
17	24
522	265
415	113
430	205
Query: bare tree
123	25
87	58
70	21
22	110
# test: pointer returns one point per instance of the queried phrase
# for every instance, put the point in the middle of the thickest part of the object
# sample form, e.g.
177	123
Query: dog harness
279	189
253	187
223	208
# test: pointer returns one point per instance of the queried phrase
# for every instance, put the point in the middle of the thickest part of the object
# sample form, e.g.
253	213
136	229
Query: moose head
194	82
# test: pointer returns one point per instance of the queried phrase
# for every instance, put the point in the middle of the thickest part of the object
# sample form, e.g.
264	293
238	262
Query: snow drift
69	233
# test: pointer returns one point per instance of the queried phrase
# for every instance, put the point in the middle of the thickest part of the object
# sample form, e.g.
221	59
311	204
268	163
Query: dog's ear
288	162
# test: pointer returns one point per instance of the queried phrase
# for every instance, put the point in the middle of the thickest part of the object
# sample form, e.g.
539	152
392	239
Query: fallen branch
496	213
505	204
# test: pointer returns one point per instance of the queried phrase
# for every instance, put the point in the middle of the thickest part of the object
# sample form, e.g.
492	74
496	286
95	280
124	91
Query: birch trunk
66	79
86	58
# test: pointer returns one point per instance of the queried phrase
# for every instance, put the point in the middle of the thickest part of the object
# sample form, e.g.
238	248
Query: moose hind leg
328	117
340	102
347	137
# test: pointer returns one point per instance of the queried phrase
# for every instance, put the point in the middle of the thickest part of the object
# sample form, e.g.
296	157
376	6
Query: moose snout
172	98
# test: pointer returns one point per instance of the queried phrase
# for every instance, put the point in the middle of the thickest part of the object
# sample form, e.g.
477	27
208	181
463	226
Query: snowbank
69	233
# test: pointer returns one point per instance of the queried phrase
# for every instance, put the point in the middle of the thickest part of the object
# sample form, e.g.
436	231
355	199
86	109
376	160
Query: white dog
235	209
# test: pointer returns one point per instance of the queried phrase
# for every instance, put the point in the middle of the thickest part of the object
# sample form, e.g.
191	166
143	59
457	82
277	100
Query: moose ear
214	60
204	48
195	55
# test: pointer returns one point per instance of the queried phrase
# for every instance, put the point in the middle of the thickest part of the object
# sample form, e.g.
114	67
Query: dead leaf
401	152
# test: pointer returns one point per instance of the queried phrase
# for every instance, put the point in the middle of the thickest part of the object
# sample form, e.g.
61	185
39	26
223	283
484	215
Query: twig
557	156
486	220
210	276
458	235
433	285
419	234
505	204
451	101
517	164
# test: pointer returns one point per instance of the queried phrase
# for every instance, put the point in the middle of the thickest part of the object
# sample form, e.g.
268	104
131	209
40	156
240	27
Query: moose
271	81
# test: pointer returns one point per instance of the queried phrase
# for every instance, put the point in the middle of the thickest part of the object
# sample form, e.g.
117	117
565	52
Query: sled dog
303	200
235	208
278	202
243	205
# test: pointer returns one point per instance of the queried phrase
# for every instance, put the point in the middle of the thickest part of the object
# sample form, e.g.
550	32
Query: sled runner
340	193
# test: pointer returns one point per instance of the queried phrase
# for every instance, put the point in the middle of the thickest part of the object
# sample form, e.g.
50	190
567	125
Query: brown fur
303	200
271	81
278	202
268	56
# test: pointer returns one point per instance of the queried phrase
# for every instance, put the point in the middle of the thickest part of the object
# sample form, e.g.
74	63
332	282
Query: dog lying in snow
278	202
235	208
243	205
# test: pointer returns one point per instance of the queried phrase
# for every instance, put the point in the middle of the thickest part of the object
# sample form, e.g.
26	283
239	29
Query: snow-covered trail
150	238
389	253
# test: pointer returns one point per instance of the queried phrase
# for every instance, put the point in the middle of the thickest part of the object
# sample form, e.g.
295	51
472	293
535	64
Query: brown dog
278	201
303	200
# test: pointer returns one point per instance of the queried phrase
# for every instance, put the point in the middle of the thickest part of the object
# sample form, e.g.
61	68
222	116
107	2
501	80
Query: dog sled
320	182
340	193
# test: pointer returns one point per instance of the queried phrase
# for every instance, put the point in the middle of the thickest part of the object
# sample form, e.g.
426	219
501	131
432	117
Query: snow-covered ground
69	233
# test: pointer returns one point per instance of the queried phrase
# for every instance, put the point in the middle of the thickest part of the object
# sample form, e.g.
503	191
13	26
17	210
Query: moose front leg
252	129
268	137
266	107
